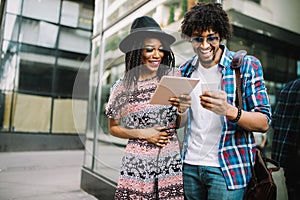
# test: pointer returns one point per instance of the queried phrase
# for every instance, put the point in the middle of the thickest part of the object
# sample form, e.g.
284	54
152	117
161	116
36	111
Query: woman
151	167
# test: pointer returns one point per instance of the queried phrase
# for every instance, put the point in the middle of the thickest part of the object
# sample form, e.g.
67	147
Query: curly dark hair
133	62
205	16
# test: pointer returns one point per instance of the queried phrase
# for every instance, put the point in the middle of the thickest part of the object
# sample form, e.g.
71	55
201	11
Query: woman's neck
144	75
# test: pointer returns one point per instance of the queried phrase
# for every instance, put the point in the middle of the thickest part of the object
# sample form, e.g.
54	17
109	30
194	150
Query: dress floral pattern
147	171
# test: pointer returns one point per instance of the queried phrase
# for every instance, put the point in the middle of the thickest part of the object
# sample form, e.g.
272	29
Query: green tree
172	14
184	7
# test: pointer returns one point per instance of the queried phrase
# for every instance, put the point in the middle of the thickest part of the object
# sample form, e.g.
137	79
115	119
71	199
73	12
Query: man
216	162
286	140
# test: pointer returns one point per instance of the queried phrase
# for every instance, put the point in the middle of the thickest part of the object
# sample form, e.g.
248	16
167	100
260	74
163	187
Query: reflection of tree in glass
172	14
113	42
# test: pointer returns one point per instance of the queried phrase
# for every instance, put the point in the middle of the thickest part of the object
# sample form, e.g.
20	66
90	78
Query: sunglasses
209	39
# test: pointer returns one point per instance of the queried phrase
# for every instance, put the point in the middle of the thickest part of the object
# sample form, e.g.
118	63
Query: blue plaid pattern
233	156
286	123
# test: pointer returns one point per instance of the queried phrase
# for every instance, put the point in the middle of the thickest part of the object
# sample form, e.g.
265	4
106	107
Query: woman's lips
155	63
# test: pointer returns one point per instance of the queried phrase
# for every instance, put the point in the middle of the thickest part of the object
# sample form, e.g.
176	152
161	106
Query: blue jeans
207	183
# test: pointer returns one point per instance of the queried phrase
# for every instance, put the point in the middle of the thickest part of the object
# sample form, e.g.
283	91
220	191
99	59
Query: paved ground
45	175
55	175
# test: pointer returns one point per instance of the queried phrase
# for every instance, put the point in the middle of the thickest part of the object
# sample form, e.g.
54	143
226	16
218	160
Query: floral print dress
147	171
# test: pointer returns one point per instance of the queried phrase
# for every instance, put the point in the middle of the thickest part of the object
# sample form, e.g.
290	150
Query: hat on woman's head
142	28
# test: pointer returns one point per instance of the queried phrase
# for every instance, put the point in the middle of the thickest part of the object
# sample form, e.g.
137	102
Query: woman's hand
183	102
157	135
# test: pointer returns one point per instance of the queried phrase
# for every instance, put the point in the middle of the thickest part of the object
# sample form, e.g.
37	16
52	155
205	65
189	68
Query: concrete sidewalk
56	175
42	175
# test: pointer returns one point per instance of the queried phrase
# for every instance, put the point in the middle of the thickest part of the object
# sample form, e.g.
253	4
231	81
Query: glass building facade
258	30
45	66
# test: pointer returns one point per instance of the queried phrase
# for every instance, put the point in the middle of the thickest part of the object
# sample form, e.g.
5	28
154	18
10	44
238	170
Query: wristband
238	115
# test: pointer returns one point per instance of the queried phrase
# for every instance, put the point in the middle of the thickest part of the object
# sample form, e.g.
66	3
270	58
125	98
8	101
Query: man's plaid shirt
232	155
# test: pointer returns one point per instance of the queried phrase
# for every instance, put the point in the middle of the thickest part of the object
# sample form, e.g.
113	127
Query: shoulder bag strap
236	64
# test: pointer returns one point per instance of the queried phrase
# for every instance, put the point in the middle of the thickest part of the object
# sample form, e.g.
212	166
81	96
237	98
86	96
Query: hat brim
127	44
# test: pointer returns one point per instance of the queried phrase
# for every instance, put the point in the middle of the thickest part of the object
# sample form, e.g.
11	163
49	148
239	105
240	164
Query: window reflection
31	113
41	75
47	34
117	9
74	40
36	72
8	68
69	13
11	27
47	10
38	33
76	15
14	6
98	18
85	17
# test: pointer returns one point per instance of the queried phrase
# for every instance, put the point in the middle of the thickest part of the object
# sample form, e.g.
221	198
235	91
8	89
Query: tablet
170	86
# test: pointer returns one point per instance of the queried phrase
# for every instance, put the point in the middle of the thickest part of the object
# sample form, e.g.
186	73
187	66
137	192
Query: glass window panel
114	69
31	113
47	10
109	159
11	27
6	103
98	17
9	66
29	31
81	84
79	110
94	79
47	34
65	80
64	118
88	153
86	17
117	9
69	13
37	50
74	40
38	33
14	6
72	75
36	70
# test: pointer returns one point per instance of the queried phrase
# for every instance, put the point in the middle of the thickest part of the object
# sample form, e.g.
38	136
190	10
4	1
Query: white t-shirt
206	126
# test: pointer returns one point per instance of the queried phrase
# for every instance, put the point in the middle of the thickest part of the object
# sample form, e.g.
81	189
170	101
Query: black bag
261	185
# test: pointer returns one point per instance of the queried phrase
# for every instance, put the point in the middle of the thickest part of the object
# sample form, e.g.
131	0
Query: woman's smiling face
152	55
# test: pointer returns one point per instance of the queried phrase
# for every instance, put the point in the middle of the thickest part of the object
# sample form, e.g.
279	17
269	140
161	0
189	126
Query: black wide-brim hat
142	28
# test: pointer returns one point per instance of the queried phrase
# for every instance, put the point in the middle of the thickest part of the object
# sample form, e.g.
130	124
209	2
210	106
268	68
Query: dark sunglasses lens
212	39
198	40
